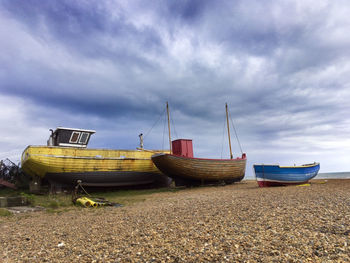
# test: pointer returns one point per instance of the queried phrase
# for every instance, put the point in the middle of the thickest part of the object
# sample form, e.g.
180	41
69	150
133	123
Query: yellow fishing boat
65	160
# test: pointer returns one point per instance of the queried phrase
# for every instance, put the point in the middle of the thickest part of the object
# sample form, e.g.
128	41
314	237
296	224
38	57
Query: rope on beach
89	201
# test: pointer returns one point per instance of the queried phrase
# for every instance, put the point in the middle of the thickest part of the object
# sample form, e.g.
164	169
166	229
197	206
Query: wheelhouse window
84	138
74	137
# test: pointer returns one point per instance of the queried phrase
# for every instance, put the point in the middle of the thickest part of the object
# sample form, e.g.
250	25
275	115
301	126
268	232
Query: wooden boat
66	160
187	170
275	175
199	170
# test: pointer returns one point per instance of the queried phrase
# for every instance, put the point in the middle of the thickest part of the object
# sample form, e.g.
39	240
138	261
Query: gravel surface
235	223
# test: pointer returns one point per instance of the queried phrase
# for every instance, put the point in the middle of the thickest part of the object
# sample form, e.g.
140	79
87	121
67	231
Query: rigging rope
154	124
173	123
239	144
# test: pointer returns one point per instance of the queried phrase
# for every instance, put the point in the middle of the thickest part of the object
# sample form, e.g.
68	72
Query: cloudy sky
282	66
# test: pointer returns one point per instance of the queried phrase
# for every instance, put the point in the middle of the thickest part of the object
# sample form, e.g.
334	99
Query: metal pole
167	110
228	131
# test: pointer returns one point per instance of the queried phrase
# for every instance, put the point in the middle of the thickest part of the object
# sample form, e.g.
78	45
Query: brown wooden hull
197	169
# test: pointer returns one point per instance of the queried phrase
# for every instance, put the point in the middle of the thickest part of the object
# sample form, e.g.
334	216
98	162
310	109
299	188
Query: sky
282	67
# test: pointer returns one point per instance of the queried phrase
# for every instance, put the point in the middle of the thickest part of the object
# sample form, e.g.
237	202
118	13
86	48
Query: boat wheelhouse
70	137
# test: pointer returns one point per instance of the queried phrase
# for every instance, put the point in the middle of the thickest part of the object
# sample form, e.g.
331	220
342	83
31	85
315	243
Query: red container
183	147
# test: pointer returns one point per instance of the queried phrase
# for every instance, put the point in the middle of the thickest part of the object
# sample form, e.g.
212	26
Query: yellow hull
92	166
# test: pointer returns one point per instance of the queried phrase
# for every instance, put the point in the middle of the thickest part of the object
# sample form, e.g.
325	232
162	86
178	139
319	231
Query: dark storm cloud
59	15
81	29
79	25
186	10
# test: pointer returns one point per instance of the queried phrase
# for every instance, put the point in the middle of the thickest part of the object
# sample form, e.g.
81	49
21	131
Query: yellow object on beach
87	202
303	185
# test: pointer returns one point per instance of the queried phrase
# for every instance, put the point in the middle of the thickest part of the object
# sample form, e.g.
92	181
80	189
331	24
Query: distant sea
339	175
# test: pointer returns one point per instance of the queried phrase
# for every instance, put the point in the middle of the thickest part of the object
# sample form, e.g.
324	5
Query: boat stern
29	164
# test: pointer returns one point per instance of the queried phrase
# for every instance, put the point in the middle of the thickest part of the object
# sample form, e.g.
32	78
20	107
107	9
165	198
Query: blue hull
269	175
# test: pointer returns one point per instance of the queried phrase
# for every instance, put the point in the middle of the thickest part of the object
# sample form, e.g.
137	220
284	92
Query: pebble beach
234	223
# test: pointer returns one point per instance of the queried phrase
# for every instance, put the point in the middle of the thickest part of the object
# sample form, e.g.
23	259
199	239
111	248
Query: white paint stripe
88	157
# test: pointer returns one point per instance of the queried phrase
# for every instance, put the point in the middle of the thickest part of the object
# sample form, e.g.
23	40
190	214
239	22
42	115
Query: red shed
183	147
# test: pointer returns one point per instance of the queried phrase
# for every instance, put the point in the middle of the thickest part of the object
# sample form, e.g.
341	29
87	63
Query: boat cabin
182	147
69	137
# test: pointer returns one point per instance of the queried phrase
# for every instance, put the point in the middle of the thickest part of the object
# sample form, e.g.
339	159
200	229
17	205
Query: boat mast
228	131
167	110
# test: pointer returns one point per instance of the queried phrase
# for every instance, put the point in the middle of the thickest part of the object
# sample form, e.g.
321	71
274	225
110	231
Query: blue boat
275	175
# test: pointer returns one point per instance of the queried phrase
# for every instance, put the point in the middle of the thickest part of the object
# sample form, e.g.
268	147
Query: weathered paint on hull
198	169
275	175
91	166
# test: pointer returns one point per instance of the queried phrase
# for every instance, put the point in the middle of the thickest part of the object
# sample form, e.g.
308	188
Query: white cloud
18	128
